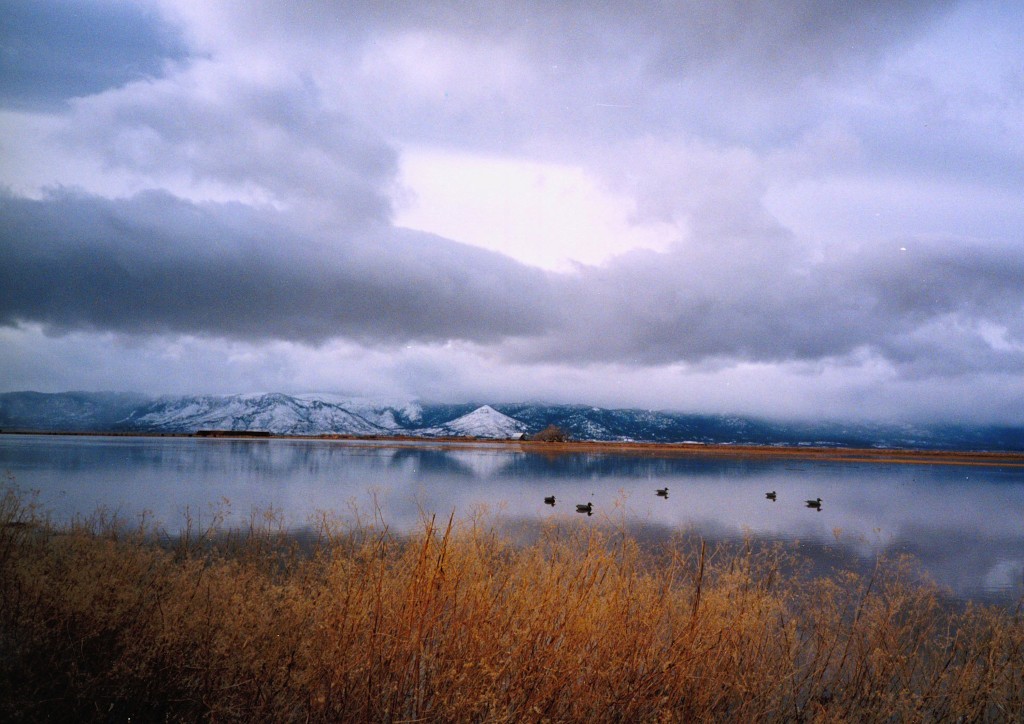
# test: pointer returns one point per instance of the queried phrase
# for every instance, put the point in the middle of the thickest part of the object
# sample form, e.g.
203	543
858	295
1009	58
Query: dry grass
102	622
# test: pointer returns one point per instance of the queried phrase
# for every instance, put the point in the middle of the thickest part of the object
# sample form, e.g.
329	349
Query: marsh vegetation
105	620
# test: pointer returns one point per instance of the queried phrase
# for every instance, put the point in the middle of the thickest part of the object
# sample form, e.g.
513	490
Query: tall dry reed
104	621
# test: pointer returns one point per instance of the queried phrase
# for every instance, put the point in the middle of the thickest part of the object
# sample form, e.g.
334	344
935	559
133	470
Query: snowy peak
275	413
484	422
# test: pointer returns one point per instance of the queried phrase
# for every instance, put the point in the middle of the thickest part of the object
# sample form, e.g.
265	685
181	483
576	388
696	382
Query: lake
964	523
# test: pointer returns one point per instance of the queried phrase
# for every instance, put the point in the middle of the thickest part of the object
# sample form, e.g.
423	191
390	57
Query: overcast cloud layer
802	209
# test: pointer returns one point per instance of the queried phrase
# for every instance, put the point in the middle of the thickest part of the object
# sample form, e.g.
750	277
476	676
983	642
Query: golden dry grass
457	623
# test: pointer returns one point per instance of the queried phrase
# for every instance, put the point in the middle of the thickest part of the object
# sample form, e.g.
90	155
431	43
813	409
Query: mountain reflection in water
963	523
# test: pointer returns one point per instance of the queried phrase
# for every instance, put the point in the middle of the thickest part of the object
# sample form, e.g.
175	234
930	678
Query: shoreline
908	456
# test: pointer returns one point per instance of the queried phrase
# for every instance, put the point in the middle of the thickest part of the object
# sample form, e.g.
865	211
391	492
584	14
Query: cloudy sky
785	208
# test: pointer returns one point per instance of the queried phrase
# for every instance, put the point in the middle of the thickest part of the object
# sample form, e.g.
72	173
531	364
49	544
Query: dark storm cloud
932	310
156	264
53	50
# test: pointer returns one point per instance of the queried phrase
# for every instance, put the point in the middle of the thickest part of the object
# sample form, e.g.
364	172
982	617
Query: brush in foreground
458	623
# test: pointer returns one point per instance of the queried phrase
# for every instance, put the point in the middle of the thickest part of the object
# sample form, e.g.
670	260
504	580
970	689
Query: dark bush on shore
99	622
551	433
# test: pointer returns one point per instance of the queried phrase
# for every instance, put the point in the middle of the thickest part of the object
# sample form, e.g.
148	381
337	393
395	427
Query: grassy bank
102	622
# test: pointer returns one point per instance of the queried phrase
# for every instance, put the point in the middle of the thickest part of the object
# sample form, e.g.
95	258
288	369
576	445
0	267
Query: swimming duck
816	503
771	495
550	500
588	508
662	492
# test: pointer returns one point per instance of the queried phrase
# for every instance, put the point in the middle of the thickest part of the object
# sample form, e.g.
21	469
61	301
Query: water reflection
964	523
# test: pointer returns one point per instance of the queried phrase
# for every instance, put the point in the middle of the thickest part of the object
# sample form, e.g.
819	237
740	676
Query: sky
789	209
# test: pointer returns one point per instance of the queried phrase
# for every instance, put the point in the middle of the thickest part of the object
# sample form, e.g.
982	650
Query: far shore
911	456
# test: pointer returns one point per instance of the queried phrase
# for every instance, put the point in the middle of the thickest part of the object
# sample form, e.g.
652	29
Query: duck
549	500
816	503
662	492
771	495
588	508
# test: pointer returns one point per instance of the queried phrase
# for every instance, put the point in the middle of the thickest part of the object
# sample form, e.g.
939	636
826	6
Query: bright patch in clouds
544	214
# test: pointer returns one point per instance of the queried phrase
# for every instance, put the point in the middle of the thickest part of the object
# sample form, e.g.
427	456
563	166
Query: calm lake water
965	524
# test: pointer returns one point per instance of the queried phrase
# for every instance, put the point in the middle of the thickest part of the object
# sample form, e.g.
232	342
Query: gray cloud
808	37
156	264
53	50
274	136
534	70
924	311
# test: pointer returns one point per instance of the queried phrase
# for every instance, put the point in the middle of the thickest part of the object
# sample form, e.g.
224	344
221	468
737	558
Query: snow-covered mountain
397	414
276	413
314	414
482	422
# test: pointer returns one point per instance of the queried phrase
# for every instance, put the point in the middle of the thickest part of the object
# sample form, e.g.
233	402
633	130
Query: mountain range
316	414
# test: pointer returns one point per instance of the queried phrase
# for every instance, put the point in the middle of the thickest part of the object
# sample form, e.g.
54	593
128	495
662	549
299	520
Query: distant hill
318	414
99	411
